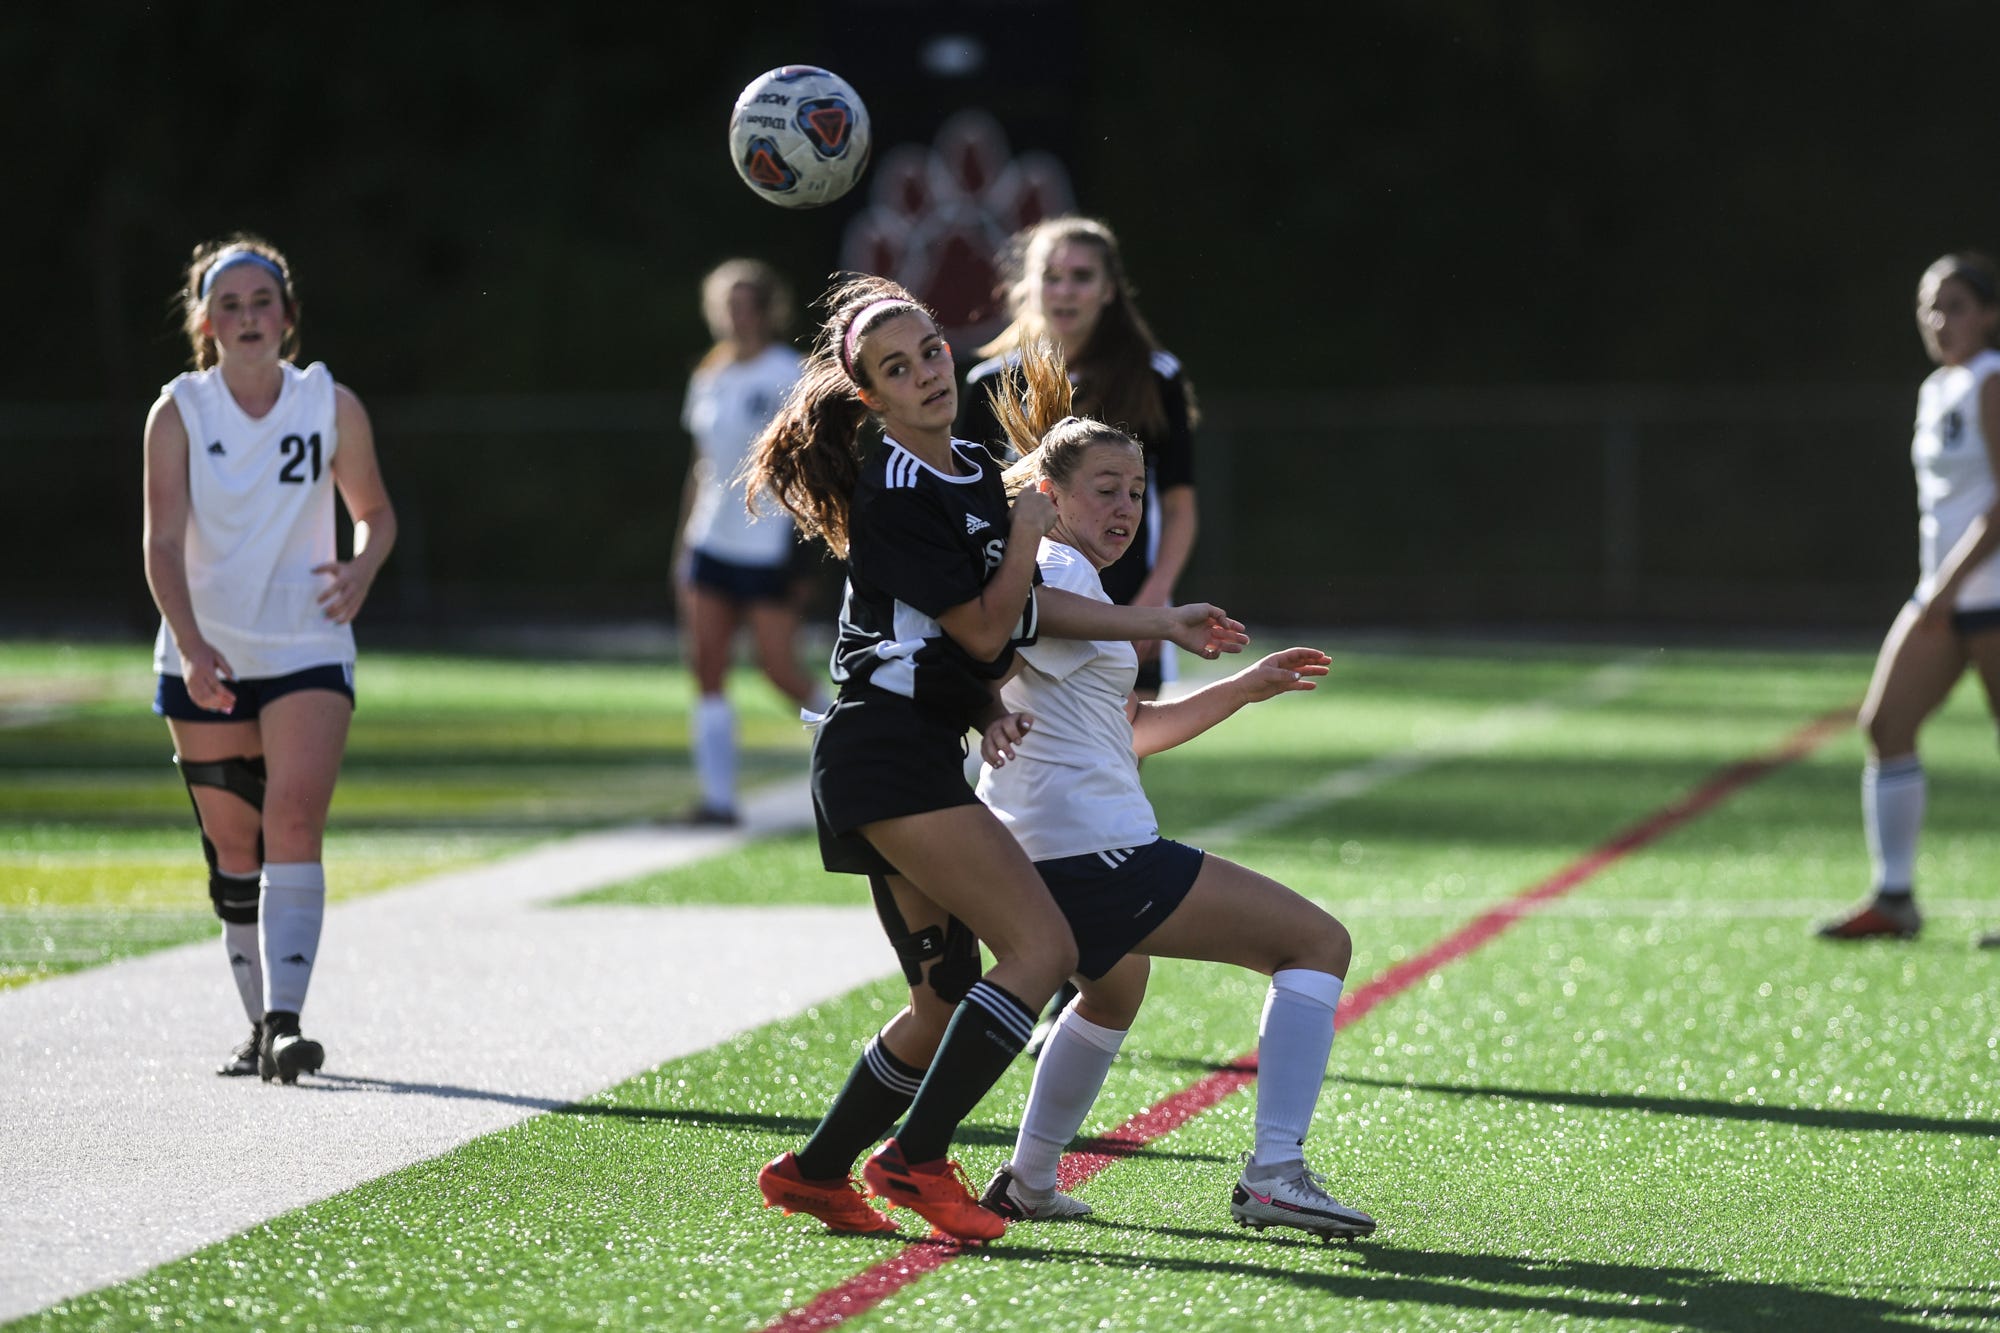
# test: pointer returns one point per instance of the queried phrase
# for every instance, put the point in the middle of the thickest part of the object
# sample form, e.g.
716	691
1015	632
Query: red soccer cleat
935	1191
1879	918
838	1203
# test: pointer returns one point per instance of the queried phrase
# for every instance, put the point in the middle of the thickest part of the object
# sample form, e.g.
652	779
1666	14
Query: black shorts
740	583
1114	899
171	699
1980	621
879	756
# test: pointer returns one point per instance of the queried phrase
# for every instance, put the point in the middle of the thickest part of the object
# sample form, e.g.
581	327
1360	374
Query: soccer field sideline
451	1008
142	1176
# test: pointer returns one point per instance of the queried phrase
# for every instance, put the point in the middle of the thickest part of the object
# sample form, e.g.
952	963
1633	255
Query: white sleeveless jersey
260	518
1954	476
727	408
1072	787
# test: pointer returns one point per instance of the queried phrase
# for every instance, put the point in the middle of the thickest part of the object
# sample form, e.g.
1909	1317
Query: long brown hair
1114	369
1033	402
809	458
194	305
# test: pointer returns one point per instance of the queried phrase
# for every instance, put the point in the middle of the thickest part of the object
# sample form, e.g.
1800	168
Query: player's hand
1206	631
207	674
1282	672
1034	514
344	593
997	746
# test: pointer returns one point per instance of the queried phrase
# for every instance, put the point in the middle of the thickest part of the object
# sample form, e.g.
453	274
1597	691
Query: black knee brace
235	899
952	950
242	777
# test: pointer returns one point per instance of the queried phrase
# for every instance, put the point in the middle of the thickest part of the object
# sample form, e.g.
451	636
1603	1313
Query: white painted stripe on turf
1484	733
449	1009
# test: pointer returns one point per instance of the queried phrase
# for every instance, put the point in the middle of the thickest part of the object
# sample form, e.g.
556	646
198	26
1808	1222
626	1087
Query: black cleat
285	1054
243	1060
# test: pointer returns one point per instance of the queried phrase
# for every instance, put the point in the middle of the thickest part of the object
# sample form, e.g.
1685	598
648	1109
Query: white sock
1892	813
715	751
1293	1041
290	913
1068	1077
246	962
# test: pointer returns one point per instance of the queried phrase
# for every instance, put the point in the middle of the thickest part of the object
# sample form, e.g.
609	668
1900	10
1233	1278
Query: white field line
1483	734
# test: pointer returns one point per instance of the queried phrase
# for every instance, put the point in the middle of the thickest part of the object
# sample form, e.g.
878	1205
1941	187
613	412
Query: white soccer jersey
1954	476
1073	785
727	408
260	519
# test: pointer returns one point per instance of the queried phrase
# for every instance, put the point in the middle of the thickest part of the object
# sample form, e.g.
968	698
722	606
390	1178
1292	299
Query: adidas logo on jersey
974	523
217	448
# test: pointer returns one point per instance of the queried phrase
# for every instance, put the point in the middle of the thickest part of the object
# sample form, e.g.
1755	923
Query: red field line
874	1285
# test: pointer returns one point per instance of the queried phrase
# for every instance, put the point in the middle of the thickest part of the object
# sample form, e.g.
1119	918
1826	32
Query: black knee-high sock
985	1035
880	1089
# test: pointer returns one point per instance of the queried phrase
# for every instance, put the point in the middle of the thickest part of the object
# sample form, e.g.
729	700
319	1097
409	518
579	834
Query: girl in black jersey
940	589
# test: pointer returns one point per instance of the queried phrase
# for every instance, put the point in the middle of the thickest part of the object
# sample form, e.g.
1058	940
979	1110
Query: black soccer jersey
1169	459
919	543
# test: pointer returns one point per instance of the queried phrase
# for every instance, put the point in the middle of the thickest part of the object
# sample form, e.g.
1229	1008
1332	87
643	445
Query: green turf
1658	1103
452	761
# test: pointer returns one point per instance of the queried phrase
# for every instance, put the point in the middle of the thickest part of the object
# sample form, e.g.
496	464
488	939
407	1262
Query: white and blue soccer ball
799	136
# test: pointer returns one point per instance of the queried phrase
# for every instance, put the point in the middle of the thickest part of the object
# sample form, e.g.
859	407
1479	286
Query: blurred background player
255	652
1062	773
1066	283
1953	618
733	567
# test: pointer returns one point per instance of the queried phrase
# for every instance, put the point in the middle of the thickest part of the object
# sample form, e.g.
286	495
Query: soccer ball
799	136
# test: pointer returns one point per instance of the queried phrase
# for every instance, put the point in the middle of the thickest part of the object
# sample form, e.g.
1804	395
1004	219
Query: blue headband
230	259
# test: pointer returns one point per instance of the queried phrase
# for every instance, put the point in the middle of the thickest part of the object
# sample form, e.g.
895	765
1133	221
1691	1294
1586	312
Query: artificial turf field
1653	1102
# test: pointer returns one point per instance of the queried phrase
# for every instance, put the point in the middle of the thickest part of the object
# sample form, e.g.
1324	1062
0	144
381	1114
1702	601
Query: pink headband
861	317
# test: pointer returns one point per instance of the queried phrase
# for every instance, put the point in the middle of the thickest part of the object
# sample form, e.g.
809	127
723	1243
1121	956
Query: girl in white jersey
255	652
1062	773
1067	284
735	567
940	594
1953	618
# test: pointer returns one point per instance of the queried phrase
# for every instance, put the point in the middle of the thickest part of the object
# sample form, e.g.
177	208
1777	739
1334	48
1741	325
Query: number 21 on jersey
297	449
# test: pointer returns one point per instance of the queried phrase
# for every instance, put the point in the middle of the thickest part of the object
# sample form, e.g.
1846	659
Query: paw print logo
938	217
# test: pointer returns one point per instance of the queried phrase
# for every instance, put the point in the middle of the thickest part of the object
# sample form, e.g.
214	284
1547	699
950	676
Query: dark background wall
1527	311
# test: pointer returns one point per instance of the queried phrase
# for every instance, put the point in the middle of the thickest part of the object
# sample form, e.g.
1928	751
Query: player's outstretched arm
1167	723
1202	629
